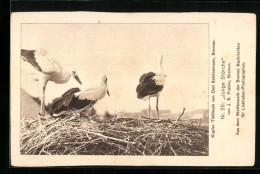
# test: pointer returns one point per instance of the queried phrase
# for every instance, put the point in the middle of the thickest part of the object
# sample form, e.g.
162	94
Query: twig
150	118
199	124
180	116
92	116
52	122
107	137
78	148
46	152
128	122
31	122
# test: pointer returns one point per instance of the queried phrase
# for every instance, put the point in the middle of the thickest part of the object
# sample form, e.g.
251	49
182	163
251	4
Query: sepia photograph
114	89
132	89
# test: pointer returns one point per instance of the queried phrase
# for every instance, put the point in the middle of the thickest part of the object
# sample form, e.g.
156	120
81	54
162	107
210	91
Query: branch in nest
180	116
149	118
92	116
107	137
48	124
199	124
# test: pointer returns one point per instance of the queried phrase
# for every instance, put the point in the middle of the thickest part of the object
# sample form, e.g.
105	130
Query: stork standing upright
151	85
75	100
50	70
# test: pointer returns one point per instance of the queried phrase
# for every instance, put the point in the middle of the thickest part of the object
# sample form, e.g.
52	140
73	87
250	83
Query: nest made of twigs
73	135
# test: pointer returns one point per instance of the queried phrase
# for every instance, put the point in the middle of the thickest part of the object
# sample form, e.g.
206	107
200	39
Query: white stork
151	85
75	100
50	70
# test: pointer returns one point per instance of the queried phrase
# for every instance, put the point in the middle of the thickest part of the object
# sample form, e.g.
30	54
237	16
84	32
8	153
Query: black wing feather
146	76
147	86
62	103
77	103
71	91
68	101
28	55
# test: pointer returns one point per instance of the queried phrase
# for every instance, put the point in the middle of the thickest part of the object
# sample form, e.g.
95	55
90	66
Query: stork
75	100
151	85
50	70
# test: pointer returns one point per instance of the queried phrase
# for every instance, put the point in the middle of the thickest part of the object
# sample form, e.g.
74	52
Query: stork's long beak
77	78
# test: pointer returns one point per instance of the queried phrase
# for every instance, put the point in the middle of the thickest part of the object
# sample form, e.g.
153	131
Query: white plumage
97	92
50	70
76	100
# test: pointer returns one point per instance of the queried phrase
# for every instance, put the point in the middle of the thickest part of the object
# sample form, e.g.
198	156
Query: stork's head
103	80
74	74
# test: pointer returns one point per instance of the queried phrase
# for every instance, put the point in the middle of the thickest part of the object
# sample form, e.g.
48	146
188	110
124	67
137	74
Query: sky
123	52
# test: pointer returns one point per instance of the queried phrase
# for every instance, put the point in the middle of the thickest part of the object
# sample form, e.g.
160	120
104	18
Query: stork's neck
159	68
102	84
101	89
66	76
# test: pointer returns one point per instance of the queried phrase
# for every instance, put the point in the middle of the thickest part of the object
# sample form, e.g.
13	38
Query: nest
72	135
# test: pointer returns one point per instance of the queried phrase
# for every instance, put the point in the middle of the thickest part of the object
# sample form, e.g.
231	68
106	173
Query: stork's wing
79	104
146	76
147	87
70	91
47	64
28	55
41	63
90	94
63	102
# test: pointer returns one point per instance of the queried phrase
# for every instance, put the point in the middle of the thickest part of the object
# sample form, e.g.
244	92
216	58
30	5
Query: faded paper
208	60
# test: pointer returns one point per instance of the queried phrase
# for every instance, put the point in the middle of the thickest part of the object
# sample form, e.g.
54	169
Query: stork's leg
43	101
157	108
149	106
42	109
